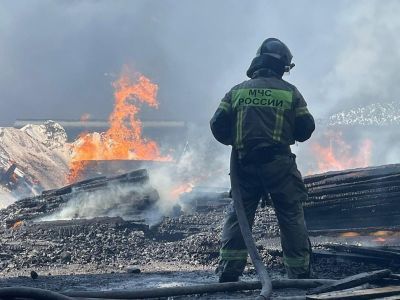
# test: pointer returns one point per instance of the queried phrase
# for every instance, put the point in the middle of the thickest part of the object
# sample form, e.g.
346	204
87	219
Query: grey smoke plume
113	201
366	66
203	163
57	57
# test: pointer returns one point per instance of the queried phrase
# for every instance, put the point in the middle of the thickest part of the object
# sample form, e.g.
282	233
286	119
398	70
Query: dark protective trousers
282	180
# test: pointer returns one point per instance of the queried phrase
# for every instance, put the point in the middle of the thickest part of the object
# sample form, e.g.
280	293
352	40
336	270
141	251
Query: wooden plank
370	251
352	187
352	281
361	294
350	257
394	276
360	231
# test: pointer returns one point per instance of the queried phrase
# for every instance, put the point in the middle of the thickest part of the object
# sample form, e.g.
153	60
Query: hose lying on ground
198	289
30	293
246	231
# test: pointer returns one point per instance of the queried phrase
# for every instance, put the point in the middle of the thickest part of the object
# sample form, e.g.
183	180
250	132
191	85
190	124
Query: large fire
339	155
123	140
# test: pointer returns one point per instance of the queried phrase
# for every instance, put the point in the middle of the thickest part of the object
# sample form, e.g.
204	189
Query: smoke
126	201
6	198
56	68
359	91
203	163
346	55
367	62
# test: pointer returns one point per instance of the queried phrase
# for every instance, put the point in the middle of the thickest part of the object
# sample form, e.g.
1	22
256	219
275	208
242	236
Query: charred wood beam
139	176
346	256
359	230
356	181
388	208
348	188
346	176
48	202
375	293
370	251
356	211
352	281
372	191
354	200
351	223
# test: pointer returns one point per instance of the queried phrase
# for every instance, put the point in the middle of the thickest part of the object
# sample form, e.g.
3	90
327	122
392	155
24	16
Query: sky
59	58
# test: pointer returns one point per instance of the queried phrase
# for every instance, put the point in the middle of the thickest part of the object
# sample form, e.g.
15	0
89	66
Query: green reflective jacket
264	110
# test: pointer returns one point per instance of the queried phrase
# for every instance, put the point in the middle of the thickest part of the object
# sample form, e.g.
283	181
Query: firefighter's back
264	112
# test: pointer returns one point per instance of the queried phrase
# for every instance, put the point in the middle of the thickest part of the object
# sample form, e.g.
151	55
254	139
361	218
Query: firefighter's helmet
276	48
272	54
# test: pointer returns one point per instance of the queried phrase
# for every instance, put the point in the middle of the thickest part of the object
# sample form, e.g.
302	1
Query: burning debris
126	195
359	198
338	155
39	239
165	217
123	140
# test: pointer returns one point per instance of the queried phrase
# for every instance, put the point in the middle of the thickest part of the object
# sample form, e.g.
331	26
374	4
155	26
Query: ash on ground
106	245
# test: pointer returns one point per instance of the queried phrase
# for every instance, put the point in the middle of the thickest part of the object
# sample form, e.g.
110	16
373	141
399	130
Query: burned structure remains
352	216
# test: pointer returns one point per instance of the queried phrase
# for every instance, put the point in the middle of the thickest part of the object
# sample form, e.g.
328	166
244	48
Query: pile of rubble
353	199
64	228
126	195
111	242
32	159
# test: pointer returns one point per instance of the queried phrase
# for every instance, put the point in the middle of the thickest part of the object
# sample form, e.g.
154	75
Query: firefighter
260	118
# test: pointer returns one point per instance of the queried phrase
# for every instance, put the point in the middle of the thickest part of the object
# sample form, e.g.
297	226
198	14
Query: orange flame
339	155
123	140
382	233
349	234
186	187
379	240
17	224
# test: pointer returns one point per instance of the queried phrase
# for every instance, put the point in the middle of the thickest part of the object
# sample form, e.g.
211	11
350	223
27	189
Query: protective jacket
262	112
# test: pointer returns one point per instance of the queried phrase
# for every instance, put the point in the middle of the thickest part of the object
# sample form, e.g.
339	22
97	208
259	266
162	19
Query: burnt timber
365	199
53	200
359	198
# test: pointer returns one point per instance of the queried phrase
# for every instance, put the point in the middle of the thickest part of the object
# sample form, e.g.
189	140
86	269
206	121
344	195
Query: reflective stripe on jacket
264	110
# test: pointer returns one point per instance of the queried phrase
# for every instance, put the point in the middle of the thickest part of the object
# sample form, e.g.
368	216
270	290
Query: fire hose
207	288
261	270
163	292
30	293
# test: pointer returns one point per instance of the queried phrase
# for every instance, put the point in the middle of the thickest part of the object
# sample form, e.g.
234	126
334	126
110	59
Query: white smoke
366	67
6	198
203	163
360	93
114	200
